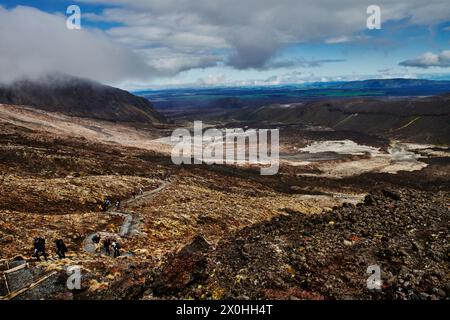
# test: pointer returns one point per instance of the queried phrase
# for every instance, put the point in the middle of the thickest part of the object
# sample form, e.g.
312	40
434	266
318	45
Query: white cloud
35	43
170	51
340	39
212	80
345	39
298	62
169	62
429	59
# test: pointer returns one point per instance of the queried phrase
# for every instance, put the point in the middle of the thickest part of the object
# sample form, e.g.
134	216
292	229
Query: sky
144	44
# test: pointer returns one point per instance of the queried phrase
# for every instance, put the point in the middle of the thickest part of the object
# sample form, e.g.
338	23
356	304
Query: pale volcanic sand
399	157
90	129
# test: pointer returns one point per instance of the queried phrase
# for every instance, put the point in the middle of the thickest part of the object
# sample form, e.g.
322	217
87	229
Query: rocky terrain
298	256
342	201
53	185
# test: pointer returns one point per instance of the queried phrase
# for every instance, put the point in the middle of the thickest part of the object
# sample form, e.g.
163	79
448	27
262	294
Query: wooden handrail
29	287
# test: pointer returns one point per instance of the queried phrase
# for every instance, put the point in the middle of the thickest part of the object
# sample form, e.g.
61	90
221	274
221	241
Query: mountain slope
82	98
425	120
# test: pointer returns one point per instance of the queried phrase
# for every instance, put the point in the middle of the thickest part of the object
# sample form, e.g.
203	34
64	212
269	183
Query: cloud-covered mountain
80	97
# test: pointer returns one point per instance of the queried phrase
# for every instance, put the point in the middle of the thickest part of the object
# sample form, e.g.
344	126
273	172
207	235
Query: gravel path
130	225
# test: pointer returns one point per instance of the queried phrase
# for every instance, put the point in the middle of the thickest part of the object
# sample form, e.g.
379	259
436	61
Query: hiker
116	247
96	238
106	244
106	204
39	248
61	248
141	191
118	205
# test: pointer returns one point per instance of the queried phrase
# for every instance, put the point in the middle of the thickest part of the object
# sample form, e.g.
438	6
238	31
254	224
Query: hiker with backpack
116	247
106	205
96	240
61	248
39	248
106	245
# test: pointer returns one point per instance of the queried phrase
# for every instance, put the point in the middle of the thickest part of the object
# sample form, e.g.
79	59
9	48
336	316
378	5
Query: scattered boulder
369	200
391	194
184	268
447	289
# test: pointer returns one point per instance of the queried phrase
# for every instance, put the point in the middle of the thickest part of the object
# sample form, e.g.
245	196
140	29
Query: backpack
36	243
39	244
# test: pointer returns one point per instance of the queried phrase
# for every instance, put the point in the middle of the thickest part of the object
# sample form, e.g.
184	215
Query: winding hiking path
131	220
20	279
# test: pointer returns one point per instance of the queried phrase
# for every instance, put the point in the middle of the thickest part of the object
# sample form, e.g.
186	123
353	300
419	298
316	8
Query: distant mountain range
220	99
80	97
428	87
396	84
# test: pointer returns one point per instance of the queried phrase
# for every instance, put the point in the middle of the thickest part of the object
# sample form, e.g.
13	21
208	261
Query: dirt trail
131	220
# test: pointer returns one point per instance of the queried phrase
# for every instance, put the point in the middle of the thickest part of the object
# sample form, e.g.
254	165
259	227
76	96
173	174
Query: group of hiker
61	248
107	243
107	203
39	248
139	192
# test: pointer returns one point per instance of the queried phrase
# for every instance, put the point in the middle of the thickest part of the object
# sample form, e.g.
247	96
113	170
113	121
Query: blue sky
140	44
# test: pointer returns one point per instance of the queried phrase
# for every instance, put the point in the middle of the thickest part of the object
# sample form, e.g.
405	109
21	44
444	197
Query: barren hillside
82	98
